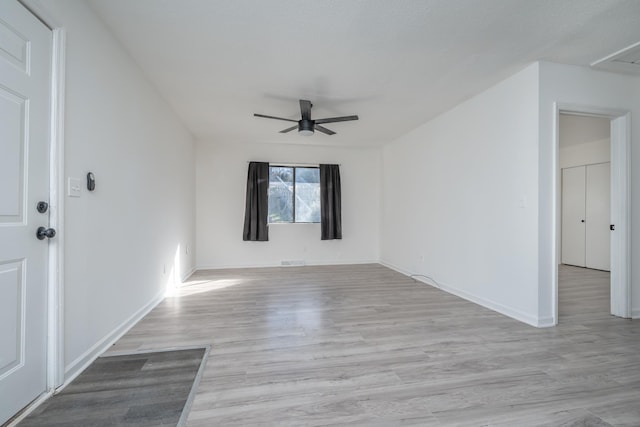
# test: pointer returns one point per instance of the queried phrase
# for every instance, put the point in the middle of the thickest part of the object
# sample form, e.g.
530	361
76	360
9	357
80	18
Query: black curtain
257	205
330	202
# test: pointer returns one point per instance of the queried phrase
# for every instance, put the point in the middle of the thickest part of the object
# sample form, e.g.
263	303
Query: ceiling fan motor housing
306	127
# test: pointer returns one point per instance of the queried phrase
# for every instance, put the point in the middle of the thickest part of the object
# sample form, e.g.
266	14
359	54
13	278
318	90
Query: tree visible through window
294	194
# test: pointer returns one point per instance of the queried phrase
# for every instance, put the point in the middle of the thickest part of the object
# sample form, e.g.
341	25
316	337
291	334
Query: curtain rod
293	164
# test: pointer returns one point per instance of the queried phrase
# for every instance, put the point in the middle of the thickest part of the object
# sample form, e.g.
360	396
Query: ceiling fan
306	126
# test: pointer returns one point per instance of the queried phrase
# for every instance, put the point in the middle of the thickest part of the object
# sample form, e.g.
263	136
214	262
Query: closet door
573	216
598	216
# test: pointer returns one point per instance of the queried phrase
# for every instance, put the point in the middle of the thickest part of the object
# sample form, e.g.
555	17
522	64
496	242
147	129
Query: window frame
293	195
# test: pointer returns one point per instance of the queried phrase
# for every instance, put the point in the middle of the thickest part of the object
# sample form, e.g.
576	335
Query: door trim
621	215
55	344
620	202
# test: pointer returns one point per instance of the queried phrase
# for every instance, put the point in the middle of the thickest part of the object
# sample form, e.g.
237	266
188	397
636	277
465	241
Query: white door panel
25	52
573	216
598	202
12	166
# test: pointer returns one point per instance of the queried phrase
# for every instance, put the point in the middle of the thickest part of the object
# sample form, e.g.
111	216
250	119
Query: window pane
280	194
307	195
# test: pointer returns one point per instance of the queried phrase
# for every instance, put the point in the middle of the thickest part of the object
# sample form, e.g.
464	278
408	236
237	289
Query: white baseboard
635	313
73	369
269	265
188	274
403	271
484	302
347	262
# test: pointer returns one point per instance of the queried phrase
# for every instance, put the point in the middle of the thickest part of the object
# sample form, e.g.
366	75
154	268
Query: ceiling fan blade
324	130
305	109
336	119
289	129
277	118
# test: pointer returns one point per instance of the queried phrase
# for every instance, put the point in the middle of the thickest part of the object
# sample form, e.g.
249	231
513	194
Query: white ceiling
396	64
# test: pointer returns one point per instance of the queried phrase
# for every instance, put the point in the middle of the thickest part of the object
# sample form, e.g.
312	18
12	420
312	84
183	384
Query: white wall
460	199
584	140
221	175
566	84
141	215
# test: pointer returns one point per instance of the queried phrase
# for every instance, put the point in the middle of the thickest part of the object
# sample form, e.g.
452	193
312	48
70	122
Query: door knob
42	206
45	232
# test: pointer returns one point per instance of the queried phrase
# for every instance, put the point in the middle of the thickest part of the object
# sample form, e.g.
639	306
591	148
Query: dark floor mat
143	389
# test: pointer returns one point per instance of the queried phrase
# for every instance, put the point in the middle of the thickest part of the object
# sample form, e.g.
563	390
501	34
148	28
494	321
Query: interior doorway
585	159
592	202
585	192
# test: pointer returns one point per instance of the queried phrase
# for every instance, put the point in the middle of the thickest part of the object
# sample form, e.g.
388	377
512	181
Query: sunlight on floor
193	287
176	288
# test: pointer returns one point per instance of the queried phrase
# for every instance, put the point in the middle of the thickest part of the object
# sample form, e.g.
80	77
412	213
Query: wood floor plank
364	345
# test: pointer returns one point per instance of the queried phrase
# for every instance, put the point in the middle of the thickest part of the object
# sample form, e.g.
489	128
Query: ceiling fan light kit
306	126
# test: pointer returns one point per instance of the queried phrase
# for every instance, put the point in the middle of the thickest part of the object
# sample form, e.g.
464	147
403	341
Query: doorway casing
55	346
620	202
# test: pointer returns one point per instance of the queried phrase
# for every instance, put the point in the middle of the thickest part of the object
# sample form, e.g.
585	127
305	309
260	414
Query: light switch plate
74	187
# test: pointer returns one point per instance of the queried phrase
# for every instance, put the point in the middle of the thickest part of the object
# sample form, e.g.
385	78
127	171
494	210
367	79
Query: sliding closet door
598	216
586	213
573	216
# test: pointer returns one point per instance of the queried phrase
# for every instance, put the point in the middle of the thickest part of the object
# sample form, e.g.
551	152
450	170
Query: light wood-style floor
364	345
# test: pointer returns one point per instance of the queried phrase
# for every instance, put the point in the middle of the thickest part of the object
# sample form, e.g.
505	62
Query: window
294	194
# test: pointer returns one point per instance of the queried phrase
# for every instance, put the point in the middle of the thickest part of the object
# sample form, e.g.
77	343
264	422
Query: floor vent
626	60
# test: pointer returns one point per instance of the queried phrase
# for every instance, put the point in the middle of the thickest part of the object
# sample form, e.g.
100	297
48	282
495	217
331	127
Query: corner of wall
82	362
532	320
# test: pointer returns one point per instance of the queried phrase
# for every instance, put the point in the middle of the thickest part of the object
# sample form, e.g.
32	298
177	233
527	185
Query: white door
25	55
598	217
573	216
586	216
